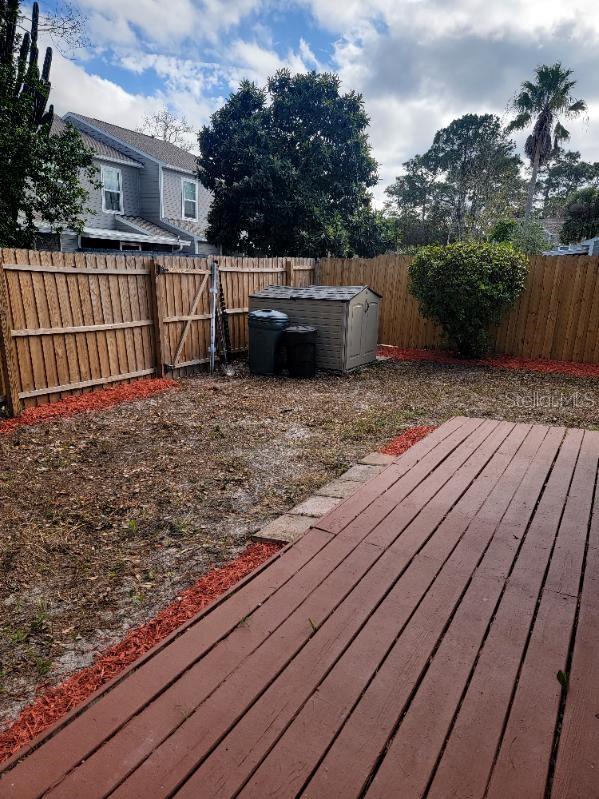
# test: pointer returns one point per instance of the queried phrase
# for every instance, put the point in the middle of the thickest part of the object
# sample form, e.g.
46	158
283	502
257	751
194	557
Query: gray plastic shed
347	319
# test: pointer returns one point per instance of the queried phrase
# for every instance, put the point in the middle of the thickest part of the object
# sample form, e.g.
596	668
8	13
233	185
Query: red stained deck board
408	761
406	646
135	742
577	767
387	679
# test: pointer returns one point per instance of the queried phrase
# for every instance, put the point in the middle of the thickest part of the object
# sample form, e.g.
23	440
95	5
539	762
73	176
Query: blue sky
418	63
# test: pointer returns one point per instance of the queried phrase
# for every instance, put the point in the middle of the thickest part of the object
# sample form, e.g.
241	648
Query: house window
112	190
190	199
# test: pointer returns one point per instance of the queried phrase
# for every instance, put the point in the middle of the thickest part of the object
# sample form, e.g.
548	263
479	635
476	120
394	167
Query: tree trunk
533	184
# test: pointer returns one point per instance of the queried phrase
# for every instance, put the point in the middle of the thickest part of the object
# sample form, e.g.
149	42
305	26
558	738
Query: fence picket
557	315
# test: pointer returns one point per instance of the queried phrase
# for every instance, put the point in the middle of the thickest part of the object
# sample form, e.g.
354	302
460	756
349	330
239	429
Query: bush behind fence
556	317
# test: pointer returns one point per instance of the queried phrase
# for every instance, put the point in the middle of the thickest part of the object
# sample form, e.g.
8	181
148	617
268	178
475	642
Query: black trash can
265	331
300	346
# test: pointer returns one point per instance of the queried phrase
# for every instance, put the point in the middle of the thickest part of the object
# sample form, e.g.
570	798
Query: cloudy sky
418	63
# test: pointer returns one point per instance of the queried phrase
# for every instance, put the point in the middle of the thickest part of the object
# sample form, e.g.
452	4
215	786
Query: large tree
566	174
289	167
542	102
582	216
467	180
39	172
417	203
481	172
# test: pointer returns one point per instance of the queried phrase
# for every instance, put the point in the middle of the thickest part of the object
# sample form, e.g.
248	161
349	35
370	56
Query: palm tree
544	100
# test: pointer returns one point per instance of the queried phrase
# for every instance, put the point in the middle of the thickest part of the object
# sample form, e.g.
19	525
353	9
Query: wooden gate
72	322
182	300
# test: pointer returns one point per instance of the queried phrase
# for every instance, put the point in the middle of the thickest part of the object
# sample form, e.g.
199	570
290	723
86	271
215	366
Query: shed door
363	332
354	334
370	338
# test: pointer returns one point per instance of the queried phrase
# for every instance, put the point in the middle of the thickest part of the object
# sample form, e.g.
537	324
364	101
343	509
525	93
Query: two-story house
150	198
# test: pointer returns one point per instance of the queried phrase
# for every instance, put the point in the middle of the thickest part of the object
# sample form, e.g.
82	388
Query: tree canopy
466	180
582	216
563	176
39	172
290	166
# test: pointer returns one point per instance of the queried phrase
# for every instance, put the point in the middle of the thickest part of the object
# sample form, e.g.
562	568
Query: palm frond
520	122
577	107
560	133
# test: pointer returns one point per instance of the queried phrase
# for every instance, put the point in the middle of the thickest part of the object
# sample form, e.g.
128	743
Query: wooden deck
407	646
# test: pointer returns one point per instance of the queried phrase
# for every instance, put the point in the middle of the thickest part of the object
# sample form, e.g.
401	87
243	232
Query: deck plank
486	703
412	754
145	733
418	624
75	741
400	667
577	766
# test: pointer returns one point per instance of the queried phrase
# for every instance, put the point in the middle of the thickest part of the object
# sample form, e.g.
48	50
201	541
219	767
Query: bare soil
105	516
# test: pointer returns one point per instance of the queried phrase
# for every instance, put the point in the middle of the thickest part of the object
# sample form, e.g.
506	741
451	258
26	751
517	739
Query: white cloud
450	16
74	89
167	23
421	63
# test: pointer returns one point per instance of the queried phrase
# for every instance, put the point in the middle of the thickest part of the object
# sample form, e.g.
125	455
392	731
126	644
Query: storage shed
346	317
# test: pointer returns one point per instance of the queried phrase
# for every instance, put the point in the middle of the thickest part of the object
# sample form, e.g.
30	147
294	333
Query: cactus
27	83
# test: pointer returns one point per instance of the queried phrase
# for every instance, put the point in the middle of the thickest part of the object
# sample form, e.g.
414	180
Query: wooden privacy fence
71	322
556	317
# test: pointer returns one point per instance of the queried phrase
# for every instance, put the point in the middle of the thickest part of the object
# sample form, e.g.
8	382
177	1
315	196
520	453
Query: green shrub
527	236
465	287
504	230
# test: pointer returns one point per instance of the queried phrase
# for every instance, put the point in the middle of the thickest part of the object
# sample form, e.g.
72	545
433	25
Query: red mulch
497	361
60	699
92	401
397	446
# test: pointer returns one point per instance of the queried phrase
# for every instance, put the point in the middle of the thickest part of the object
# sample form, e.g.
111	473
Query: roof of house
119	234
187	226
163	151
141	225
339	293
100	149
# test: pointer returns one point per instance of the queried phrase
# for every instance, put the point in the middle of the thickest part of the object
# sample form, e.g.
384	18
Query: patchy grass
107	516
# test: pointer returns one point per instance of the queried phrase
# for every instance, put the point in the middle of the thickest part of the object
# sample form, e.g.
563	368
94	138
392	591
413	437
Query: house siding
149	192
96	217
171	187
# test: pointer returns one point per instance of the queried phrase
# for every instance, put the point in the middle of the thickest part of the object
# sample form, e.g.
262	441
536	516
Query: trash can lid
268	318
297	333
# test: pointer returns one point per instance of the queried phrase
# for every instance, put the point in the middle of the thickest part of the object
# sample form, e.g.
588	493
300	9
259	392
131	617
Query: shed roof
338	293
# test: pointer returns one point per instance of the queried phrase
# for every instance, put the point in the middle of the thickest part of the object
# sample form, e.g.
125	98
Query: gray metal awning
122	235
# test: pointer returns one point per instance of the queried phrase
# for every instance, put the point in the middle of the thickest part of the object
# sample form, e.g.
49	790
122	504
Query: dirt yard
106	516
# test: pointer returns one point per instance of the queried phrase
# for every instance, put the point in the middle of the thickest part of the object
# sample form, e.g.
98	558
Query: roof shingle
100	149
163	151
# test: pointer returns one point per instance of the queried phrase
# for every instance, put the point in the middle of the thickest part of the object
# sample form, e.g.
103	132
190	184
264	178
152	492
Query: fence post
7	360
157	301
288	272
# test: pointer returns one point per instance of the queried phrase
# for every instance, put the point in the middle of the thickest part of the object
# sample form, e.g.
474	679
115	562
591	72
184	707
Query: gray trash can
266	330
